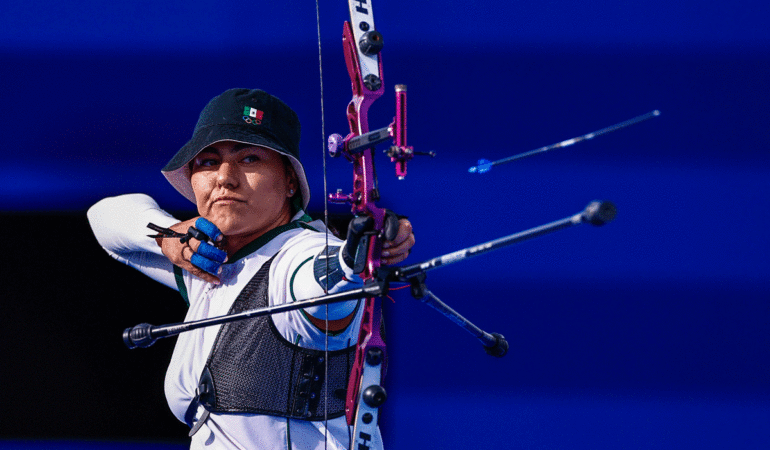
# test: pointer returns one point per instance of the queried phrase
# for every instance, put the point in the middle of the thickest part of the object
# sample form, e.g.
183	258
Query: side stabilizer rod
494	343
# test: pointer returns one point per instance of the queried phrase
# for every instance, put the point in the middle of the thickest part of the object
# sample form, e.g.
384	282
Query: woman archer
264	383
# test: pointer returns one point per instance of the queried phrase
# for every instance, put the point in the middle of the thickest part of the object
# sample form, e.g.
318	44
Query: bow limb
361	44
365	393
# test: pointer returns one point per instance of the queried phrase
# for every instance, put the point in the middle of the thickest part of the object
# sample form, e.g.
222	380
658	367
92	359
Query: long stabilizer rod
597	213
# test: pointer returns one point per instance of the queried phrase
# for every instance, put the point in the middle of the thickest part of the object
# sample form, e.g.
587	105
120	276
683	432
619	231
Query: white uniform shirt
119	224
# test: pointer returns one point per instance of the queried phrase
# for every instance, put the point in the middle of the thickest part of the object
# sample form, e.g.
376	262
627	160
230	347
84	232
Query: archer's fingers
405	235
209	229
394	258
402	250
202	274
208	251
199	266
395	253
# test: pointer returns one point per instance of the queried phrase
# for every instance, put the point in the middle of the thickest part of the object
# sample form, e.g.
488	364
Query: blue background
651	332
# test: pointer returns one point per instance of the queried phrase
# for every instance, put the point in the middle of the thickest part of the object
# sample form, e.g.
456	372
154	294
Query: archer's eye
206	162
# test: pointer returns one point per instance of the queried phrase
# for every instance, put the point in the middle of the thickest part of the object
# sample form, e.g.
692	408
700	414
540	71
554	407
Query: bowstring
326	226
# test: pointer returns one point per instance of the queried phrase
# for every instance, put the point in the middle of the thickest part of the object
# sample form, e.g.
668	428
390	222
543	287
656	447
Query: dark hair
296	199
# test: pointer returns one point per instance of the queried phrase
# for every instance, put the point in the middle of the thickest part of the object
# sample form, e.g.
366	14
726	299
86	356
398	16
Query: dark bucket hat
248	116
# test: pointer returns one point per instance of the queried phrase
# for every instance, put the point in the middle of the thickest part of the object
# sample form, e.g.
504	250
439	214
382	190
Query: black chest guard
253	369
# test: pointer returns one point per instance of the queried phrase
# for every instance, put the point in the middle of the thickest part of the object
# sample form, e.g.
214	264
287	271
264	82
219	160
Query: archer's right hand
197	253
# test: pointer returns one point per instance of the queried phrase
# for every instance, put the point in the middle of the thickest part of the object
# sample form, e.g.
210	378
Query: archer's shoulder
334	224
312	234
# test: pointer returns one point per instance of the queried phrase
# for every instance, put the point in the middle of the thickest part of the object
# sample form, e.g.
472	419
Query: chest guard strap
253	369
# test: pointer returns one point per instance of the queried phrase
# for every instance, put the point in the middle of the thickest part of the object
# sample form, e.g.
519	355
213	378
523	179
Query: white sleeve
120	226
305	266
306	288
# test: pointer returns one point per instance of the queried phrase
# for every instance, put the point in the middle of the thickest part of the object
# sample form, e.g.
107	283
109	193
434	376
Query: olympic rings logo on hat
249	120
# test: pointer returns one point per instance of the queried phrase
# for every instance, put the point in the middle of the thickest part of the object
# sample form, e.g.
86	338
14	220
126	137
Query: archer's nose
227	175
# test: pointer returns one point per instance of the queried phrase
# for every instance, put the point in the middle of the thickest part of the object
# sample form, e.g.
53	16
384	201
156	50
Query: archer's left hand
397	236
396	250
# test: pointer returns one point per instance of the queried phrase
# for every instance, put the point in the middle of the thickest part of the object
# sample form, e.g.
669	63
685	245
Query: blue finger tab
204	264
208	251
208	228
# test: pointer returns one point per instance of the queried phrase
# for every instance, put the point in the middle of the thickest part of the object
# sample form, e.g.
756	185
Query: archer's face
242	189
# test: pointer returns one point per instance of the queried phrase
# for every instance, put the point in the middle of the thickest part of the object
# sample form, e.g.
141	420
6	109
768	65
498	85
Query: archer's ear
292	187
291	177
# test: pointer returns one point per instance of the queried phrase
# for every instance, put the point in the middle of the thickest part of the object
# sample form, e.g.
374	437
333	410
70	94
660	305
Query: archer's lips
227	200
